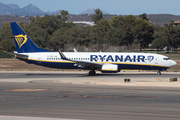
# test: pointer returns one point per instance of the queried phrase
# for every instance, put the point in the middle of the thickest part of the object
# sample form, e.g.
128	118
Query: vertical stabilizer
23	43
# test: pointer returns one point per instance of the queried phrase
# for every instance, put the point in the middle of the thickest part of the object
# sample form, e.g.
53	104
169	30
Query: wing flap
88	64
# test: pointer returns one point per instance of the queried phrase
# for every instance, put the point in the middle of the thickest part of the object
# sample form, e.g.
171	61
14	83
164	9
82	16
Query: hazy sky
121	7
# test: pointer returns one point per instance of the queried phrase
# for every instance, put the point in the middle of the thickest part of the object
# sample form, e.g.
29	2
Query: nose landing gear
159	72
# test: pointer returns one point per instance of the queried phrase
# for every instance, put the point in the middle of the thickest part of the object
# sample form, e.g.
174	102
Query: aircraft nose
173	63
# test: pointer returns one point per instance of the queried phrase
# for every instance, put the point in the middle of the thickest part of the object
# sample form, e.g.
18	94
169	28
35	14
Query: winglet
62	55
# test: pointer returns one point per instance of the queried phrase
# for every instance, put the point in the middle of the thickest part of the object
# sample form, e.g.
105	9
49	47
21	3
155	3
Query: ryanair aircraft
106	62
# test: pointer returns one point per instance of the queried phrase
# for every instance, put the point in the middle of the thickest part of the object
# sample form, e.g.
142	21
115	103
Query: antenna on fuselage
75	50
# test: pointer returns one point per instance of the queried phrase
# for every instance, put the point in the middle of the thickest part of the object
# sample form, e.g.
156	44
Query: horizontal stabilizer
17	54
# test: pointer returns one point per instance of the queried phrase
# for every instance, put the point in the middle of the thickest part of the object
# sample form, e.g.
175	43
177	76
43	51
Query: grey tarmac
42	96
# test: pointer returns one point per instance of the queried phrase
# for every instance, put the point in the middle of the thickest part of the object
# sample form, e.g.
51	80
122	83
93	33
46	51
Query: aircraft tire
92	72
159	73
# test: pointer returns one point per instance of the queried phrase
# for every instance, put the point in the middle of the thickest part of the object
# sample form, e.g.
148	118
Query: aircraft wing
85	64
89	64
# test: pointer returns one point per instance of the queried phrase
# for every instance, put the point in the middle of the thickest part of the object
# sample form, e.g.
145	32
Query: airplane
106	62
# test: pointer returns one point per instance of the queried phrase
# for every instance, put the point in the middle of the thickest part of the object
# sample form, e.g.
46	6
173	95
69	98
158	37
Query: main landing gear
92	72
159	72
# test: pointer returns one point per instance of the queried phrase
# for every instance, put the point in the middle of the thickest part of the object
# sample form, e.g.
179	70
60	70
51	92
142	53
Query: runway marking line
5	117
159	79
100	80
26	90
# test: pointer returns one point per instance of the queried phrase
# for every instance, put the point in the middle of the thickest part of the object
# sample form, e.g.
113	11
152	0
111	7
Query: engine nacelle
109	68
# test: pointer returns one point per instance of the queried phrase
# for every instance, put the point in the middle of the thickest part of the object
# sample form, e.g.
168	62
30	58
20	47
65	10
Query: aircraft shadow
98	74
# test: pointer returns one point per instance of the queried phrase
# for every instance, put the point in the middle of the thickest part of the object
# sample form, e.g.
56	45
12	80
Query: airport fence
101	47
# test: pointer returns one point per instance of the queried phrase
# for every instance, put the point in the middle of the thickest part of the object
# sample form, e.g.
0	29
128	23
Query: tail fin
23	43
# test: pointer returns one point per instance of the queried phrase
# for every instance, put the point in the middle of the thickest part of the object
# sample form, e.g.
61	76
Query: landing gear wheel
159	73
92	72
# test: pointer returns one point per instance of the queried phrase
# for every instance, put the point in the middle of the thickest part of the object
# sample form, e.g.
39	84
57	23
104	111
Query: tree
39	36
170	35
159	41
102	27
49	23
1	46
32	19
23	26
59	38
70	24
79	36
143	32
129	21
144	16
177	43
6	38
127	29
97	16
64	15
115	36
7	25
84	35
116	21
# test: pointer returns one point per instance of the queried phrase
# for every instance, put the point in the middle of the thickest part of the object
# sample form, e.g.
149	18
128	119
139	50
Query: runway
86	101
67	74
66	77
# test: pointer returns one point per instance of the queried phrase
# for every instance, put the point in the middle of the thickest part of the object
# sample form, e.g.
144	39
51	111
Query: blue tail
23	43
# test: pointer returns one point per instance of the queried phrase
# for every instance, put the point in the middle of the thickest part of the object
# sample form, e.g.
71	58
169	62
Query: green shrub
5	55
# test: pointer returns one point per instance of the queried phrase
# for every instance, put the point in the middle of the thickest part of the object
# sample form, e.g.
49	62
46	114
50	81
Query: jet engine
109	68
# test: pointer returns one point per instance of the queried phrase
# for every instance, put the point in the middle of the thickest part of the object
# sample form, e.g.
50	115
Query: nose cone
173	63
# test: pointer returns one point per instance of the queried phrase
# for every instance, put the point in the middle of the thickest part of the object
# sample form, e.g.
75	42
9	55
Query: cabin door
156	60
40	60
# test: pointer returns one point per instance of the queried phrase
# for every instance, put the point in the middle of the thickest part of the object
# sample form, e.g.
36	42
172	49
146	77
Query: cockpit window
166	58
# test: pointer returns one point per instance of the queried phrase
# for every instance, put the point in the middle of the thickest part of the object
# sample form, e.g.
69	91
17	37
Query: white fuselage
145	61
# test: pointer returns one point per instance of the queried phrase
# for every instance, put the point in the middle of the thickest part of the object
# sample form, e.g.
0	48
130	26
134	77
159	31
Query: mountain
32	10
48	12
54	13
91	11
7	9
57	12
13	6
13	9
